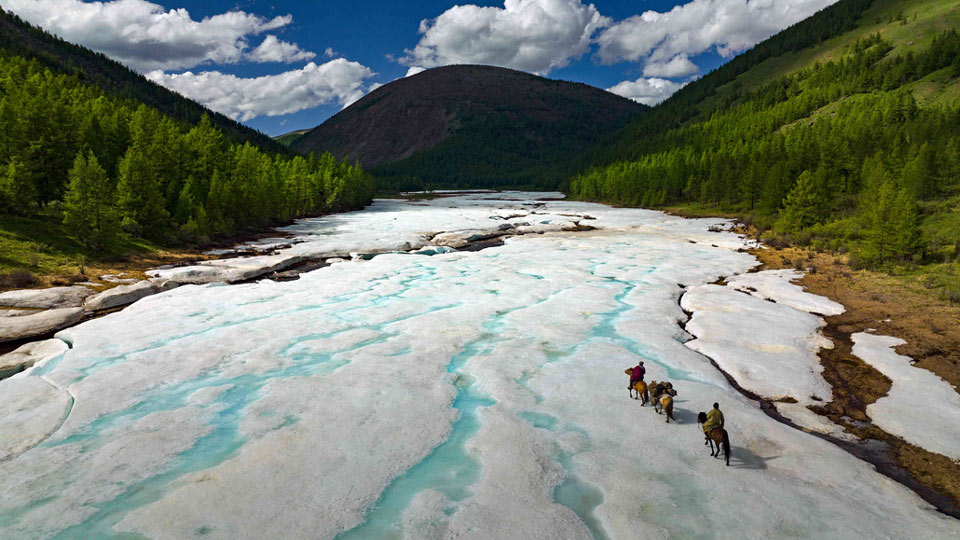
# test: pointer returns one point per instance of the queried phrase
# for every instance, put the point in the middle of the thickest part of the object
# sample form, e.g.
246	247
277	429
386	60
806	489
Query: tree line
840	152
114	166
20	38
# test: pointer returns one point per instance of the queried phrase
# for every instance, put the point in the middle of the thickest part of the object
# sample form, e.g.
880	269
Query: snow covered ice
921	408
459	394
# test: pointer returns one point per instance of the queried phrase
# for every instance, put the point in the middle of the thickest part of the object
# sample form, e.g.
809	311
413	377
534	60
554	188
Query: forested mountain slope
85	172
288	139
20	38
471	126
843	131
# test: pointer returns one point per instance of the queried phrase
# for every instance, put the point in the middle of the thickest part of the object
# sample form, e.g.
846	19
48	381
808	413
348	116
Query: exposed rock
228	270
43	322
28	355
117	279
459	239
127	294
52	298
15	312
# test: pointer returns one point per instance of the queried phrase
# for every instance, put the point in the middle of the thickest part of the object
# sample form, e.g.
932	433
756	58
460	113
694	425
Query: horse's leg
726	446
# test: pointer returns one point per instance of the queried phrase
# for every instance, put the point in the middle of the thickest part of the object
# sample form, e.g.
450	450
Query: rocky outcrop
38	324
127	294
459	239
52	298
29	354
230	270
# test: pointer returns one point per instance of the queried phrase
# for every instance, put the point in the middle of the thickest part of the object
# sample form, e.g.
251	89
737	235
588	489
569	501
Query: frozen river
463	394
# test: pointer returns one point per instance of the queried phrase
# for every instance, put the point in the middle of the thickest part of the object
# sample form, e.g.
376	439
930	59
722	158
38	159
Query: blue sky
284	65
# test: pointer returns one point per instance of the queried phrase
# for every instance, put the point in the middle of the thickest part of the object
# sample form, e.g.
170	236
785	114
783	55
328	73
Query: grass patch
44	246
920	24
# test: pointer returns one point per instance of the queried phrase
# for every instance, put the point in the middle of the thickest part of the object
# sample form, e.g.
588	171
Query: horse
666	404
717	437
643	395
639	387
659	390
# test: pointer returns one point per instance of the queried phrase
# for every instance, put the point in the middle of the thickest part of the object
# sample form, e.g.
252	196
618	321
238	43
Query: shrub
17	279
858	262
952	295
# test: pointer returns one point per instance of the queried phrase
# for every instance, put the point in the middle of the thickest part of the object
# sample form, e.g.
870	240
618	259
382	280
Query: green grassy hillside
289	139
907	25
840	132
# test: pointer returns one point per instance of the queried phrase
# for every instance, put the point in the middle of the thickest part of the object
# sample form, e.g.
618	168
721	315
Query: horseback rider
714	420
636	375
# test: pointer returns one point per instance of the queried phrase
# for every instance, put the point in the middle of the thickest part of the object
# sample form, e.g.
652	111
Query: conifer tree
89	203
803	205
893	226
906	226
138	195
17	192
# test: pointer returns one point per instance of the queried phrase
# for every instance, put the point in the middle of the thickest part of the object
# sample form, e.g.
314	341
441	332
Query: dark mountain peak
494	109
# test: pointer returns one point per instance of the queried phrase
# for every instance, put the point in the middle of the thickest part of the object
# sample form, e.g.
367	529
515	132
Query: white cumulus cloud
272	49
648	91
530	35
678	66
337	81
727	26
146	36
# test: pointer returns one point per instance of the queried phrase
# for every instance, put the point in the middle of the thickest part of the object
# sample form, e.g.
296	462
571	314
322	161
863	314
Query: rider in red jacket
637	375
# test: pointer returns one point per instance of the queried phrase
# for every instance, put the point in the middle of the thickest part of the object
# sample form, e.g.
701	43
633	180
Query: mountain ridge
20	38
470	124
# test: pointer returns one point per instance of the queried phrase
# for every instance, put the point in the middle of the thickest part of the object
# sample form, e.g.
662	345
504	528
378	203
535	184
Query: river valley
435	393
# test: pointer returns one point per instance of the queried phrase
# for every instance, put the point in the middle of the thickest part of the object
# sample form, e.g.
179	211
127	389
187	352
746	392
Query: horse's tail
726	445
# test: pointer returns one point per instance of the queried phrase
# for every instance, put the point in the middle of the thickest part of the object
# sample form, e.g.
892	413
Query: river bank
882	304
42	252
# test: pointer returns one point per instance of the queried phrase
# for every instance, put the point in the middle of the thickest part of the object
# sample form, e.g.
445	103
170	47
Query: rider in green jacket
714	420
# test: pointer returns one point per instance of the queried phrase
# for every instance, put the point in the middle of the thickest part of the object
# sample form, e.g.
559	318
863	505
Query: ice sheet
770	349
387	226
464	394
921	408
777	286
